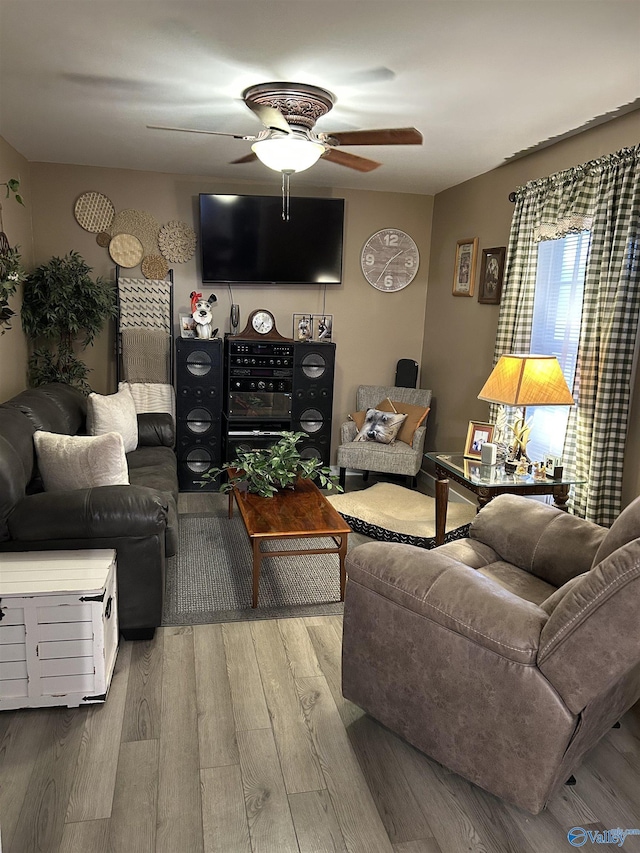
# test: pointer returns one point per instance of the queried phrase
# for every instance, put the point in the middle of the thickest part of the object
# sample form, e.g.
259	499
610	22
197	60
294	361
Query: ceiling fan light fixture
288	153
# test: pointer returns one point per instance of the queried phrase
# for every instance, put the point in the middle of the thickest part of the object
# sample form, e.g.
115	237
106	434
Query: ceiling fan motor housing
300	104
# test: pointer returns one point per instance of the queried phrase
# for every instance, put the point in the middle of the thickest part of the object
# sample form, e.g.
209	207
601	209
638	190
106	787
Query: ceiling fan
288	143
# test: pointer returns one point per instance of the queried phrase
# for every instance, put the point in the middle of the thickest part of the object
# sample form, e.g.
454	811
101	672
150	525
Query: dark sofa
139	520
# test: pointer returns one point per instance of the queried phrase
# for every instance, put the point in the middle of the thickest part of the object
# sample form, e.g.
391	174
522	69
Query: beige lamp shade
527	380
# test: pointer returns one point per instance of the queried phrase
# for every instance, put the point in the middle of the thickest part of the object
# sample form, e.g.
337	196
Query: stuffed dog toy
202	316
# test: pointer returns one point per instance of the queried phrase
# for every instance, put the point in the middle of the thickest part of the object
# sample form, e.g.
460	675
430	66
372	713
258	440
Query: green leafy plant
12	186
11	270
266	470
11	275
62	307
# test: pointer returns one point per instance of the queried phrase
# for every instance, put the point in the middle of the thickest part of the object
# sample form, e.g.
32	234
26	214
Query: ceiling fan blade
248	158
389	136
269	116
193	130
351	161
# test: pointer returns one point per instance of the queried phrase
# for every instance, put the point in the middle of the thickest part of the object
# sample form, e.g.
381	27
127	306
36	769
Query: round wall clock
390	259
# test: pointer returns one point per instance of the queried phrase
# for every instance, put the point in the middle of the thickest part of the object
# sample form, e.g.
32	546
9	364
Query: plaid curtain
602	196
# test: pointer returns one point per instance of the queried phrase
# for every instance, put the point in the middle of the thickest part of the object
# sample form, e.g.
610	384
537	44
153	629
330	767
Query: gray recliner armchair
505	656
397	458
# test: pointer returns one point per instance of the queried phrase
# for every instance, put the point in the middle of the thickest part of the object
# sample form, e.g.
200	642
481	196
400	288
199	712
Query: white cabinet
58	627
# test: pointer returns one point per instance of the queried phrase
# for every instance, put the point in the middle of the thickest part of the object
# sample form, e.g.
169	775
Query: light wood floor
234	738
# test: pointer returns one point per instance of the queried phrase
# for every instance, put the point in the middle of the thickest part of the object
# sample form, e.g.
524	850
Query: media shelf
271	386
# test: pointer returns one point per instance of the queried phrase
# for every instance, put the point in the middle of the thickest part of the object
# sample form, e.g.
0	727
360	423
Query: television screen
243	239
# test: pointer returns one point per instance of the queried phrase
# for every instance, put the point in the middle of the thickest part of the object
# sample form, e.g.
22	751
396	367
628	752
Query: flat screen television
244	240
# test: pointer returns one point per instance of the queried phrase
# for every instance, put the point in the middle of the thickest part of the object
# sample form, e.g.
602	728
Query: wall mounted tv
244	240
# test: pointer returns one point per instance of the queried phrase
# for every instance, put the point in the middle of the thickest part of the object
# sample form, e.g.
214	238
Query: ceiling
482	80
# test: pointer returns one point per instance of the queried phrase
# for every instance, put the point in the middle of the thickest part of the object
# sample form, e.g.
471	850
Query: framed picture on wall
322	327
464	274
491	273
479	433
303	327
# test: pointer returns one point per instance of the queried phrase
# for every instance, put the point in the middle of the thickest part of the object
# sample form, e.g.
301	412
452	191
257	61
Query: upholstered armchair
505	656
399	457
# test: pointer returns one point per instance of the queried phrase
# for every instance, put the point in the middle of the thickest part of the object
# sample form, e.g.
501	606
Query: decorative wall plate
390	260
103	238
126	250
177	242
93	211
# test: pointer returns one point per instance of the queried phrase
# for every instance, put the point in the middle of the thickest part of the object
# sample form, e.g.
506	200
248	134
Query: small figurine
539	471
202	316
523	468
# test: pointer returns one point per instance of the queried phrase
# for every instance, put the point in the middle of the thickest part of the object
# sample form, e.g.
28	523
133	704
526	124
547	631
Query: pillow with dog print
114	413
80	461
416	415
380	426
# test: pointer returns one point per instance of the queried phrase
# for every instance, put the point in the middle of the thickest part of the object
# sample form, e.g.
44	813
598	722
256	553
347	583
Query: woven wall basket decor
126	250
141	224
177	242
94	212
154	267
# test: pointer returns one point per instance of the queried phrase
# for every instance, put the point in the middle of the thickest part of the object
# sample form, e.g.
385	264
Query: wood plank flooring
234	738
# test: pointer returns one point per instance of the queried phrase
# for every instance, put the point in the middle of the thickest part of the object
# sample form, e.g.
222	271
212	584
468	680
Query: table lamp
526	380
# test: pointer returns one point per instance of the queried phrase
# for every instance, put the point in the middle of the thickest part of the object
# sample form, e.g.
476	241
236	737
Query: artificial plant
11	269
265	470
63	306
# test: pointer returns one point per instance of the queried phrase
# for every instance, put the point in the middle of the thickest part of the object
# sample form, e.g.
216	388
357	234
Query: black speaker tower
312	401
199	392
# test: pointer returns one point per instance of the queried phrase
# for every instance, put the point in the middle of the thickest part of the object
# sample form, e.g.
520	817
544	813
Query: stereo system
199	375
273	386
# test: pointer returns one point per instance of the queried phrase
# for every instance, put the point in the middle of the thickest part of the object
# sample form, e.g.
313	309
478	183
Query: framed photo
323	327
464	274
303	327
187	326
479	433
491	272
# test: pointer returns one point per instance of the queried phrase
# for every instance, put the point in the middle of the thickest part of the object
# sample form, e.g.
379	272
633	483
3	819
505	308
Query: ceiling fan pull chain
285	196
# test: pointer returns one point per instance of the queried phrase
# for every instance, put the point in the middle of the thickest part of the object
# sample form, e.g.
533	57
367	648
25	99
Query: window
557	313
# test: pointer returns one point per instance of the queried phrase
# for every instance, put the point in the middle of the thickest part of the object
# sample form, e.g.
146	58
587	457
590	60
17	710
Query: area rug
210	579
391	513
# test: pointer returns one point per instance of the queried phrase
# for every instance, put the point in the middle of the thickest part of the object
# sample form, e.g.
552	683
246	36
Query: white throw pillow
80	461
114	413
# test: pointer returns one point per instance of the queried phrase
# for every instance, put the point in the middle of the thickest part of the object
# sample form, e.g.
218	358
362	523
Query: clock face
390	260
263	322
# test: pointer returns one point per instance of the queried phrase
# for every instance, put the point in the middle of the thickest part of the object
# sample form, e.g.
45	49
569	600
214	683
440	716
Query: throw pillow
416	415
114	413
80	461
380	426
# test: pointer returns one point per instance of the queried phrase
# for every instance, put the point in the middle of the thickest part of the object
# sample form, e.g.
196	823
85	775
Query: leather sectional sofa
138	520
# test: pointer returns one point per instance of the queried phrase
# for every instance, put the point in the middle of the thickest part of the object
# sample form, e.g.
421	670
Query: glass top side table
487	481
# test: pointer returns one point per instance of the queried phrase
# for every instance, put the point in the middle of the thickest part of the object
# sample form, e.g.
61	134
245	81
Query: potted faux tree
63	306
265	470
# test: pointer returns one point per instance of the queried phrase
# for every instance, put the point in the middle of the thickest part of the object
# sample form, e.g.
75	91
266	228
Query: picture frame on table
491	274
464	273
303	327
187	326
478	433
322	327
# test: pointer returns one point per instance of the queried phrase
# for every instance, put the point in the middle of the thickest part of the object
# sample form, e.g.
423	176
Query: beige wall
459	333
16	223
372	330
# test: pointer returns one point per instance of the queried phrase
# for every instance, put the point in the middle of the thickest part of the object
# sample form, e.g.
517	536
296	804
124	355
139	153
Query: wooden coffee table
300	513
